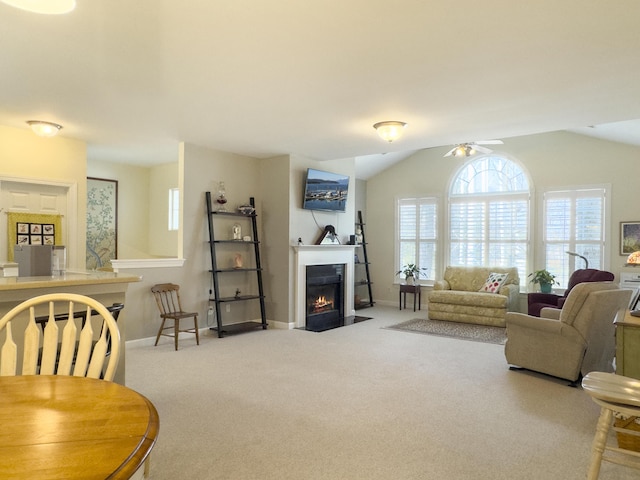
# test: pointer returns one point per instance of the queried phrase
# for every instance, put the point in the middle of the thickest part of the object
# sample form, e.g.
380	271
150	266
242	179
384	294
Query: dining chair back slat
8	354
49	343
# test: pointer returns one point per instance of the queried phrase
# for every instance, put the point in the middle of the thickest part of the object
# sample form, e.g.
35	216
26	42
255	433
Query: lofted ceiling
270	77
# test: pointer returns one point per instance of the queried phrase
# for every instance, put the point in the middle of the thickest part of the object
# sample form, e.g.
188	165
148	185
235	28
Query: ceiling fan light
47	7
390	131
44	129
460	151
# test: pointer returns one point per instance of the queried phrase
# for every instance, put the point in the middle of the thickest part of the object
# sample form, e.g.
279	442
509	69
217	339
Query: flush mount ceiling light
48	7
390	131
44	129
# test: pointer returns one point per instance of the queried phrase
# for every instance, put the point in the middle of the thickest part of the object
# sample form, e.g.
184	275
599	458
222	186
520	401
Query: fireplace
324	305
320	255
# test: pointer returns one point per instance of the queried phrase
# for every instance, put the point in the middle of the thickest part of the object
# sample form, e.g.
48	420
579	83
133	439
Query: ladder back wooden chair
79	348
168	299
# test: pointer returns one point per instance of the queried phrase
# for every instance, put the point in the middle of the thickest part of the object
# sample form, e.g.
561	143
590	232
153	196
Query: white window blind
574	221
417	234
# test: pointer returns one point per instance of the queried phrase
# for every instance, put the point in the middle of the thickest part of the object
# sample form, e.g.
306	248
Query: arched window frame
489	217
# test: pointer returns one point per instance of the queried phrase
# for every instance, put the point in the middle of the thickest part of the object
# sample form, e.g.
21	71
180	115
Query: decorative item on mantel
328	236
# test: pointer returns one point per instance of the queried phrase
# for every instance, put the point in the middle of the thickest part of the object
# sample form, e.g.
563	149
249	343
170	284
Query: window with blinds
489	214
574	221
417	232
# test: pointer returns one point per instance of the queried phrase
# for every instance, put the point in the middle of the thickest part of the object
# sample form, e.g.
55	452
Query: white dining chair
86	344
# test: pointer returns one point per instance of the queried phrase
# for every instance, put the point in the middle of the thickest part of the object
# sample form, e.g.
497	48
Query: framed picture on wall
102	222
629	237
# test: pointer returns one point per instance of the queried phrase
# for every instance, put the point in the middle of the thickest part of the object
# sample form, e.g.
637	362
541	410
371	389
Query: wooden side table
415	289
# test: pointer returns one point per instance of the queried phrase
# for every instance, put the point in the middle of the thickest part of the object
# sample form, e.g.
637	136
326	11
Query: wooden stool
614	394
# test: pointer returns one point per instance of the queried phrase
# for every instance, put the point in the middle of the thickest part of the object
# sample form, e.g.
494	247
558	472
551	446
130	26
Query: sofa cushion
470	279
494	282
476	299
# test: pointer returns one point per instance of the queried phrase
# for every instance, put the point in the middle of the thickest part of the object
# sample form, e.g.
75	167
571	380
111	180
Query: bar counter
106	287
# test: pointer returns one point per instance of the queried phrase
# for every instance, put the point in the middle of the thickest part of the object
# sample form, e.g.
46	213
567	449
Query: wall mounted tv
325	191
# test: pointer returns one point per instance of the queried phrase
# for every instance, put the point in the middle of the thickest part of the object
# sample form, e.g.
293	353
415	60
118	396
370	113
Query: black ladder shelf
216	271
363	262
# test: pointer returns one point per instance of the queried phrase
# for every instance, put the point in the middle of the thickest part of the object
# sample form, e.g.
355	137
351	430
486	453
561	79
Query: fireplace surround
309	255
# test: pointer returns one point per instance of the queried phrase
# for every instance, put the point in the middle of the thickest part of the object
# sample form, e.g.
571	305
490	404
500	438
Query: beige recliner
579	340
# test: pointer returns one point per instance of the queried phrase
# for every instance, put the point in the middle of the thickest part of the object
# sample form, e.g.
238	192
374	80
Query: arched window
489	214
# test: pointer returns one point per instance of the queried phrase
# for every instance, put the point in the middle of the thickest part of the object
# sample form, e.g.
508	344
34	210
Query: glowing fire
321	303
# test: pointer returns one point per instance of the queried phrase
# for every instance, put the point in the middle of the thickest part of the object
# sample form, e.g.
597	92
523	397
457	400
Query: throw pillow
494	282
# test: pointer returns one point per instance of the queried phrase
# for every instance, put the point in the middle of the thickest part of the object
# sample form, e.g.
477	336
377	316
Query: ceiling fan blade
489	142
480	149
450	152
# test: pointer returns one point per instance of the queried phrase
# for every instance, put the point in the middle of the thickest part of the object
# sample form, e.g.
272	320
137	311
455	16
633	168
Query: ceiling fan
471	148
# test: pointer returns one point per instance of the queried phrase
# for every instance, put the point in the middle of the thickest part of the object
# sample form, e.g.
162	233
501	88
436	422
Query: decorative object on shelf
237	261
237	231
221	197
634	258
328	236
246	238
246	209
238	292
543	278
358	236
629	237
411	271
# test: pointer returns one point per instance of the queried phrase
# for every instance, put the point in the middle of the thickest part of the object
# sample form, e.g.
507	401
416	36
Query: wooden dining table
63	427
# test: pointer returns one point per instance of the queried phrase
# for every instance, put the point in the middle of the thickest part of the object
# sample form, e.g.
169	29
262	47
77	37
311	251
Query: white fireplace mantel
322	255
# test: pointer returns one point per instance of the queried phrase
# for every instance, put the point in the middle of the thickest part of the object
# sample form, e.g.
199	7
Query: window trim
540	247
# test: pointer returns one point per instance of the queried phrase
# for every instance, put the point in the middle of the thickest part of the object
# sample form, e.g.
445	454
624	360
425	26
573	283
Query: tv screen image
325	191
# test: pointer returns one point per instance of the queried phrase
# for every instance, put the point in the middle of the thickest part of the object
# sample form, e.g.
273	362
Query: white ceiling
271	77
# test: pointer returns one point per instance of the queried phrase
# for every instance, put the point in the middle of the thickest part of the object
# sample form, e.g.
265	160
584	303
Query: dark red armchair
538	301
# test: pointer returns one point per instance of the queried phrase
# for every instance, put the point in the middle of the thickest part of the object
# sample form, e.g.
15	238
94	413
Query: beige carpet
463	331
359	402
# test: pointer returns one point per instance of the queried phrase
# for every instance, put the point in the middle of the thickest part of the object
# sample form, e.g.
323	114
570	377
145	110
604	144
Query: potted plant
544	278
411	271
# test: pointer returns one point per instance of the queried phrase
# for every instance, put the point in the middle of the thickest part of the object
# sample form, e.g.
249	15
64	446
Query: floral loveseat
458	296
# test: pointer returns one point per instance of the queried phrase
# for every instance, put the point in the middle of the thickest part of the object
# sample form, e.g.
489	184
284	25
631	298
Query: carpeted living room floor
359	402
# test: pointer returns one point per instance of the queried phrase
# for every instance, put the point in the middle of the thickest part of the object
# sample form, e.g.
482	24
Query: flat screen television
325	191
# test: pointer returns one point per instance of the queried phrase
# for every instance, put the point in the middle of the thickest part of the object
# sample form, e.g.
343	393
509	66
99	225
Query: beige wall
552	160
162	241
57	159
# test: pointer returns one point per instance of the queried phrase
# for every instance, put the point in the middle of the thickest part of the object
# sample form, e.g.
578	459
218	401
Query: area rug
464	331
